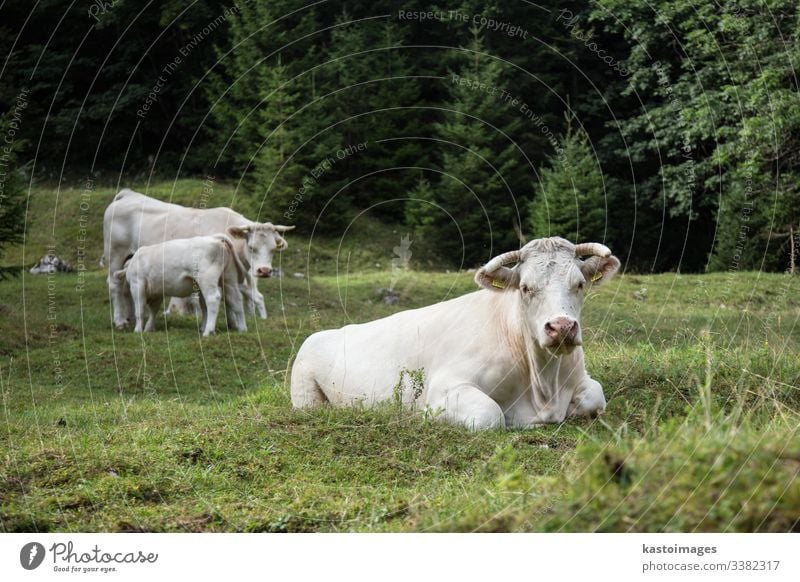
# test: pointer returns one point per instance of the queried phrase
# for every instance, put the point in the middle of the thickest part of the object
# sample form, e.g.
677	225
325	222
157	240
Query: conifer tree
277	167
571	202
12	199
375	102
483	182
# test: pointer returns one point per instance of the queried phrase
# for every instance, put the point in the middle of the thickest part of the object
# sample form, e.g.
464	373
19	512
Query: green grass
110	431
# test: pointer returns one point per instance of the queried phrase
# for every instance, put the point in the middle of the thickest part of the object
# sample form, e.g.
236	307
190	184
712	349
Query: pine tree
483	173
572	201
277	173
370	106
419	209
262	58
12	199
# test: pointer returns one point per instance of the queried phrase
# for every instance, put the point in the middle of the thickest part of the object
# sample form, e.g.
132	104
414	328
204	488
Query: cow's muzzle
264	272
562	332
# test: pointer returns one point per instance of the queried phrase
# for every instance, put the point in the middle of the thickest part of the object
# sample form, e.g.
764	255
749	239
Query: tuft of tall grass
729	464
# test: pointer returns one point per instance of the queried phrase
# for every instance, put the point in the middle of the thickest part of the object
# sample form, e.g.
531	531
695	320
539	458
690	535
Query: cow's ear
239	231
498	280
598	270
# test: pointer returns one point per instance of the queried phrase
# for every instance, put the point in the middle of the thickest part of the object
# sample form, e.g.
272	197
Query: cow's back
364	362
133	220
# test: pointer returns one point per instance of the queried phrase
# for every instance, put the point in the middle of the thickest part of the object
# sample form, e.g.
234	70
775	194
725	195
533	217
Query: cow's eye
580	286
524	289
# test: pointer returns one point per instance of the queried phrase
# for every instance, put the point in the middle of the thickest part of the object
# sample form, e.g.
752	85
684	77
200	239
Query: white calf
181	267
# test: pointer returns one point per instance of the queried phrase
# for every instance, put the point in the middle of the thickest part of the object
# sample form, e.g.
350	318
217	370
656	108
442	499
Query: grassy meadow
109	431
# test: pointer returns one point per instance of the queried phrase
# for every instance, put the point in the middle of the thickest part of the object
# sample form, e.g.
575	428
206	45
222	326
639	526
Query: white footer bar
389	557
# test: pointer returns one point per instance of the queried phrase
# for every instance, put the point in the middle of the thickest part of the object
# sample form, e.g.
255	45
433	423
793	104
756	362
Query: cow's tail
241	270
123	272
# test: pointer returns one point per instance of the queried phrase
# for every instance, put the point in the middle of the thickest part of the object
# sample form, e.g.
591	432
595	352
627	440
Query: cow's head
551	278
261	240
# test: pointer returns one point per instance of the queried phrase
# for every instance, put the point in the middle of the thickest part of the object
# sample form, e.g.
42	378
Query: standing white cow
182	266
134	220
505	356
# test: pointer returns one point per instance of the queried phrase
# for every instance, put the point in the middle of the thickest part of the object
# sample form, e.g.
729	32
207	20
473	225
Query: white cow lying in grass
507	356
211	265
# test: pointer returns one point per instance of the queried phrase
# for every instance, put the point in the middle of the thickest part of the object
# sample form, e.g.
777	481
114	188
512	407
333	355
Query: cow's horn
592	249
500	260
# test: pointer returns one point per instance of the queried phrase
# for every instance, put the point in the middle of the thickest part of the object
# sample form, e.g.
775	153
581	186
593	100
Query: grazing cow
134	220
180	267
506	356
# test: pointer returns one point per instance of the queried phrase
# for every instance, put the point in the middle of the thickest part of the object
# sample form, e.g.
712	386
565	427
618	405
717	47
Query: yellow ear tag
598	275
497	283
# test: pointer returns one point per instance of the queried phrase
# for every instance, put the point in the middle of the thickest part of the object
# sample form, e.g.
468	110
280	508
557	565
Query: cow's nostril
573	330
563	329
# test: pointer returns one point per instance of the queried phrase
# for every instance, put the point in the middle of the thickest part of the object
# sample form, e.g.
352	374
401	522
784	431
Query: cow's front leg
153	308
588	399
213	297
234	308
465	404
521	413
139	306
543	413
203	311
253	299
121	300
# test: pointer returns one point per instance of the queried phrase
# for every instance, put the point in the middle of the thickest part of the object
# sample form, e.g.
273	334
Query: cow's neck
240	248
552	378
